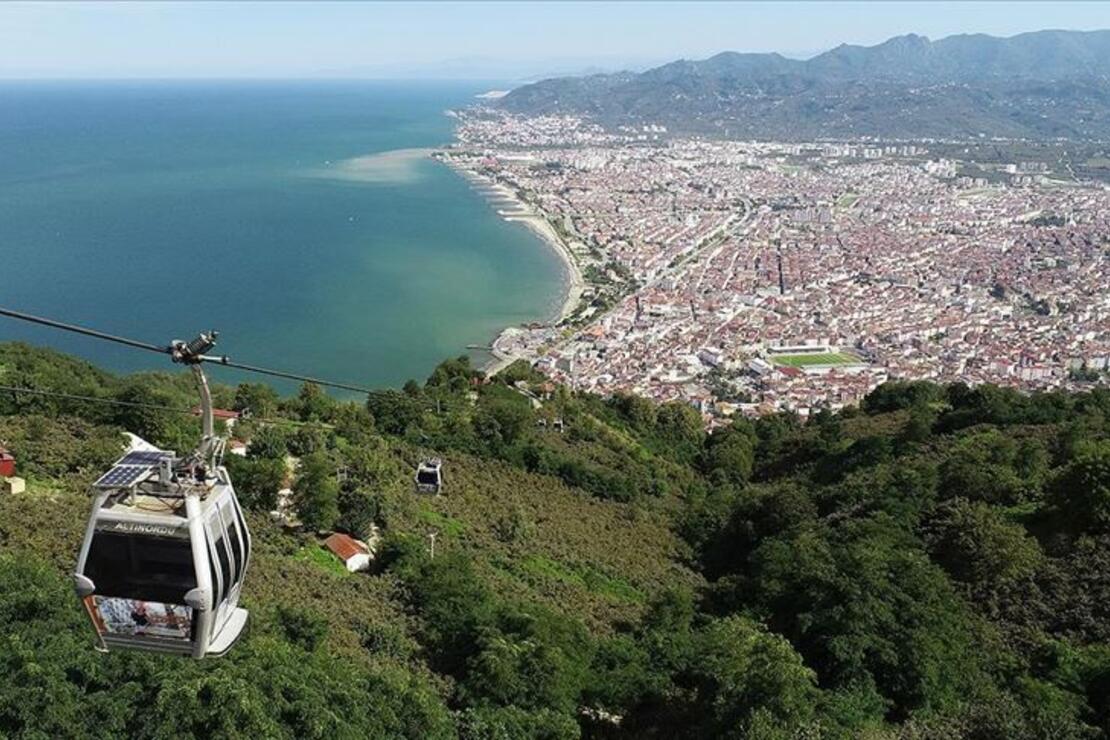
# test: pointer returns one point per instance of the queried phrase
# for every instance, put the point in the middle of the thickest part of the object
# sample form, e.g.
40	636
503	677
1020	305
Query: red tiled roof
344	546
218	413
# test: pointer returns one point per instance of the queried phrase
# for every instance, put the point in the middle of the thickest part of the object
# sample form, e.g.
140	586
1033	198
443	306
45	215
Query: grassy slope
535	538
532	537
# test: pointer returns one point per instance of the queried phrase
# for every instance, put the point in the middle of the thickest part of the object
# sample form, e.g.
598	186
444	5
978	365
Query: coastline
510	207
540	225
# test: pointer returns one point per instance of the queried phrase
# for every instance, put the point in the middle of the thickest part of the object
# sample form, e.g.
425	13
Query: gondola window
147	568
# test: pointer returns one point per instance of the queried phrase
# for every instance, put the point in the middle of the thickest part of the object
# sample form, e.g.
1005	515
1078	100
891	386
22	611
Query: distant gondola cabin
429	476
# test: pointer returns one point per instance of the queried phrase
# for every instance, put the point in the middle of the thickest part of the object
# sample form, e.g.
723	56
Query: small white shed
354	554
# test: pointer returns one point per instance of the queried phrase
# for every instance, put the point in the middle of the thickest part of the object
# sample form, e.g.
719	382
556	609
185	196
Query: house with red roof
354	554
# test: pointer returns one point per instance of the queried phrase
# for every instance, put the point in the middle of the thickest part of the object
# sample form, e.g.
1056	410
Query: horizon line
519	80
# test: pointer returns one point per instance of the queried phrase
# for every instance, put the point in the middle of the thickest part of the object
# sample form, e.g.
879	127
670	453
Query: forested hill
1045	84
934	564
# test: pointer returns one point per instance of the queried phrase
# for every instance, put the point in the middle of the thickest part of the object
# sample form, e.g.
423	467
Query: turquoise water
156	210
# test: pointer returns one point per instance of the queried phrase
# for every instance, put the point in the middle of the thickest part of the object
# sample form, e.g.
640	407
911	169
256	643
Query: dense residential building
717	269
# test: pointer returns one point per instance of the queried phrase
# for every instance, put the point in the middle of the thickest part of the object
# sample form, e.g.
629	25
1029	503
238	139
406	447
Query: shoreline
540	225
505	348
511	208
514	210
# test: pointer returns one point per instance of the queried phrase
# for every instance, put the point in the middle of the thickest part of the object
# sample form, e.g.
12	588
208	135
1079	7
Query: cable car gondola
167	547
429	476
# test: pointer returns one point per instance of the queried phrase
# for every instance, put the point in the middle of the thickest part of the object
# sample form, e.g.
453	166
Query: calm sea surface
287	215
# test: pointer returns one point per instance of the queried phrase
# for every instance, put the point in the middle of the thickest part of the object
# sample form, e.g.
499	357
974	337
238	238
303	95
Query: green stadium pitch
823	358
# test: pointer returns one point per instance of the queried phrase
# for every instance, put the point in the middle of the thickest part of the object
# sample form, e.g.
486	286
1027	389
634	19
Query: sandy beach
575	282
511	208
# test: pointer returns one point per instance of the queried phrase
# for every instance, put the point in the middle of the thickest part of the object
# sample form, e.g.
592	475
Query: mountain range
1045	84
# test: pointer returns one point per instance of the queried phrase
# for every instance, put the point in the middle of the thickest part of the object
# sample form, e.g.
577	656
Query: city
752	277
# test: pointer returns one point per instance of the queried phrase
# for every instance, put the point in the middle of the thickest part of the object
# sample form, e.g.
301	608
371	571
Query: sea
303	220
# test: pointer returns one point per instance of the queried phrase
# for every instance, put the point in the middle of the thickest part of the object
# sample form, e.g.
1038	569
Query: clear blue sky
495	39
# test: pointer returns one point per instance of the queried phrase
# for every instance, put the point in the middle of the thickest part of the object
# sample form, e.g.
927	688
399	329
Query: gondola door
222	565
235	547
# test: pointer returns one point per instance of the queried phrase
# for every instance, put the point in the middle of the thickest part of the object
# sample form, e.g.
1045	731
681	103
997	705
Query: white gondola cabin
166	548
164	558
429	476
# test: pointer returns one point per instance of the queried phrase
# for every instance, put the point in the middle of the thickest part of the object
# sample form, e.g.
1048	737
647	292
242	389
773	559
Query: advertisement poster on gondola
119	616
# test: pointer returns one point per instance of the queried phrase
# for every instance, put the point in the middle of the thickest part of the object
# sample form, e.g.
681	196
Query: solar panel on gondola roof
144	457
122	475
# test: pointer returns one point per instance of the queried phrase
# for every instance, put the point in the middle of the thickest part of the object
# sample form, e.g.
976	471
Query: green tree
276	689
358	511
919	426
501	420
752	682
165	428
53	448
1082	490
981	467
258	398
775	433
394	412
54	684
534	659
314	402
680	430
488	722
316	493
256	480
454	605
830	431
864	604
307	439
269	442
303	627
896	395
1032	463
636	410
977	545
730	455
354	424
370	464
514	526
520	370
453	375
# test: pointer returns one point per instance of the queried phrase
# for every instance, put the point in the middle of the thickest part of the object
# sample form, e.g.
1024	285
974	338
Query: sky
490	40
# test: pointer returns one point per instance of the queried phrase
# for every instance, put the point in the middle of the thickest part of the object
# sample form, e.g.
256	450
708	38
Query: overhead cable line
82	330
152	406
290	376
95	399
170	350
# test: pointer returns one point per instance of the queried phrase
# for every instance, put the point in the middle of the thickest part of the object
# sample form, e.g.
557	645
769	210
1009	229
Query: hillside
1046	84
934	564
